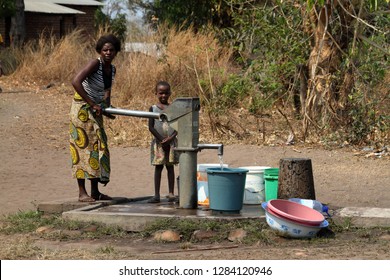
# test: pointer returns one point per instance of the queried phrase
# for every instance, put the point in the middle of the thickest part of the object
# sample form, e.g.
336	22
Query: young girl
162	147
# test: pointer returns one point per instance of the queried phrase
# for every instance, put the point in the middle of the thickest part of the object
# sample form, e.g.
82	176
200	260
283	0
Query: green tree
119	26
101	19
114	19
325	55
7	8
7	11
194	13
18	26
342	32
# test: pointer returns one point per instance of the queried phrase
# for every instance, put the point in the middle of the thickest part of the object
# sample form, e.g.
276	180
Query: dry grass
50	60
194	65
63	243
188	61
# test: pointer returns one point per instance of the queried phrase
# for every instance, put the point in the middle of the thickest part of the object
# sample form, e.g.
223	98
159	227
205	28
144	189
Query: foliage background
247	61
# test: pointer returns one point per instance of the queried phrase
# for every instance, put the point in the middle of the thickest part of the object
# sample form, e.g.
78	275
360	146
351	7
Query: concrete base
365	216
69	204
135	213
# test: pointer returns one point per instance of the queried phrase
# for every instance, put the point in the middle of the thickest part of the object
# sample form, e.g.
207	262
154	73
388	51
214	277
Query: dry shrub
197	64
194	64
51	60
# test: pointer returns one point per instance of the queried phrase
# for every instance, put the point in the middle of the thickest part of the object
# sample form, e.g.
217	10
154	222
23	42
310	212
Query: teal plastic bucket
271	177
226	188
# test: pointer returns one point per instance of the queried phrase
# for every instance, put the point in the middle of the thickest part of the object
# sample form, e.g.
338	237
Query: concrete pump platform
133	214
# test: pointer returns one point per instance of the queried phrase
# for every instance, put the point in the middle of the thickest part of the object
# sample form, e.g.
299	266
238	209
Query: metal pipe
212	146
132	113
188	190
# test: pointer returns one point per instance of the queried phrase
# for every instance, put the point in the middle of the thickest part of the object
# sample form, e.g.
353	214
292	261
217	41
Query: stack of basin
292	219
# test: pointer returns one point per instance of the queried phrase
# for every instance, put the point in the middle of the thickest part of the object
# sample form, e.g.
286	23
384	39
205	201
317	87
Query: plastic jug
315	204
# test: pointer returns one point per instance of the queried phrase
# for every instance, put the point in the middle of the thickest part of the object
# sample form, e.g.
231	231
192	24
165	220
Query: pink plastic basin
288	219
295	212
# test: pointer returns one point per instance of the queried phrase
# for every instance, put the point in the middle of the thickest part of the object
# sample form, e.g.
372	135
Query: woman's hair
109	38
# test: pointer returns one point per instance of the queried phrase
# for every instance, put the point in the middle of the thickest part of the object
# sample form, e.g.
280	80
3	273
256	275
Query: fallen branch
17	91
288	122
195	249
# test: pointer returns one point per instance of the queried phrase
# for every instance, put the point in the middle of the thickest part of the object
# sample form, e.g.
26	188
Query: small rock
91	228
167	235
385	237
48	86
368	149
203	234
72	233
44	229
237	234
300	254
290	139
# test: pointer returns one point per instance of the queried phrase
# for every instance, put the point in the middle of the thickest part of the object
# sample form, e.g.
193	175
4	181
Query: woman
88	140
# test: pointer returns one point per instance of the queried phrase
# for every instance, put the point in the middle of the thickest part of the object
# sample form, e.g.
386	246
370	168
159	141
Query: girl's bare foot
101	196
171	197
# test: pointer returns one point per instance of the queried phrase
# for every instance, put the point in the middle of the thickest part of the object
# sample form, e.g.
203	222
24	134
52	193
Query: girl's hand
167	140
165	143
97	109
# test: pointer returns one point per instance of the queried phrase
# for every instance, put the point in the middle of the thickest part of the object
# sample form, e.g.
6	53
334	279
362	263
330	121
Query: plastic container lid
271	171
272	177
315	204
203	167
226	170
255	169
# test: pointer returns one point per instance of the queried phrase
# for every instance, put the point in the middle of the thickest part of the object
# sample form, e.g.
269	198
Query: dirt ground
35	164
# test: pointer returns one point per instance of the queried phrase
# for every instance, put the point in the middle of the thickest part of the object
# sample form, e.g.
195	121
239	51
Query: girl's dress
88	140
157	155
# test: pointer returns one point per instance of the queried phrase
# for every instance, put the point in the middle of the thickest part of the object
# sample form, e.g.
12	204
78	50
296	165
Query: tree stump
296	179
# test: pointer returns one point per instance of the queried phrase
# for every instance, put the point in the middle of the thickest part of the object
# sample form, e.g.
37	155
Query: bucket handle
219	172
270	177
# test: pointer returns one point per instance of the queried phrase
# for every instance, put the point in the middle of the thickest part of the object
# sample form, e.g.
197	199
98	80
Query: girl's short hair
163	83
109	38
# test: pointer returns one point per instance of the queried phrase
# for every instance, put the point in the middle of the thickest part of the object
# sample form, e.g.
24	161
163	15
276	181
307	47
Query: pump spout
212	146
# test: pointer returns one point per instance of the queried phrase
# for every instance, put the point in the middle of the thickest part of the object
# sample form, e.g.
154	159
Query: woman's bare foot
86	199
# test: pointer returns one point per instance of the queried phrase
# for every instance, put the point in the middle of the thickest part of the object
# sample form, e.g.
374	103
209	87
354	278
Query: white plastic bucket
254	192
202	184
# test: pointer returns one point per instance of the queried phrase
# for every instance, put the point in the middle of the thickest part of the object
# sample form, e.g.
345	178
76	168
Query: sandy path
35	162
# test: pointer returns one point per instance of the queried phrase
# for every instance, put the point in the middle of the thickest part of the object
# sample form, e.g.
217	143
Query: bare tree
18	31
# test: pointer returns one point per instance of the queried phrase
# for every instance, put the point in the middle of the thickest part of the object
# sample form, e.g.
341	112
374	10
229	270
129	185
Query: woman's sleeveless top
94	84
